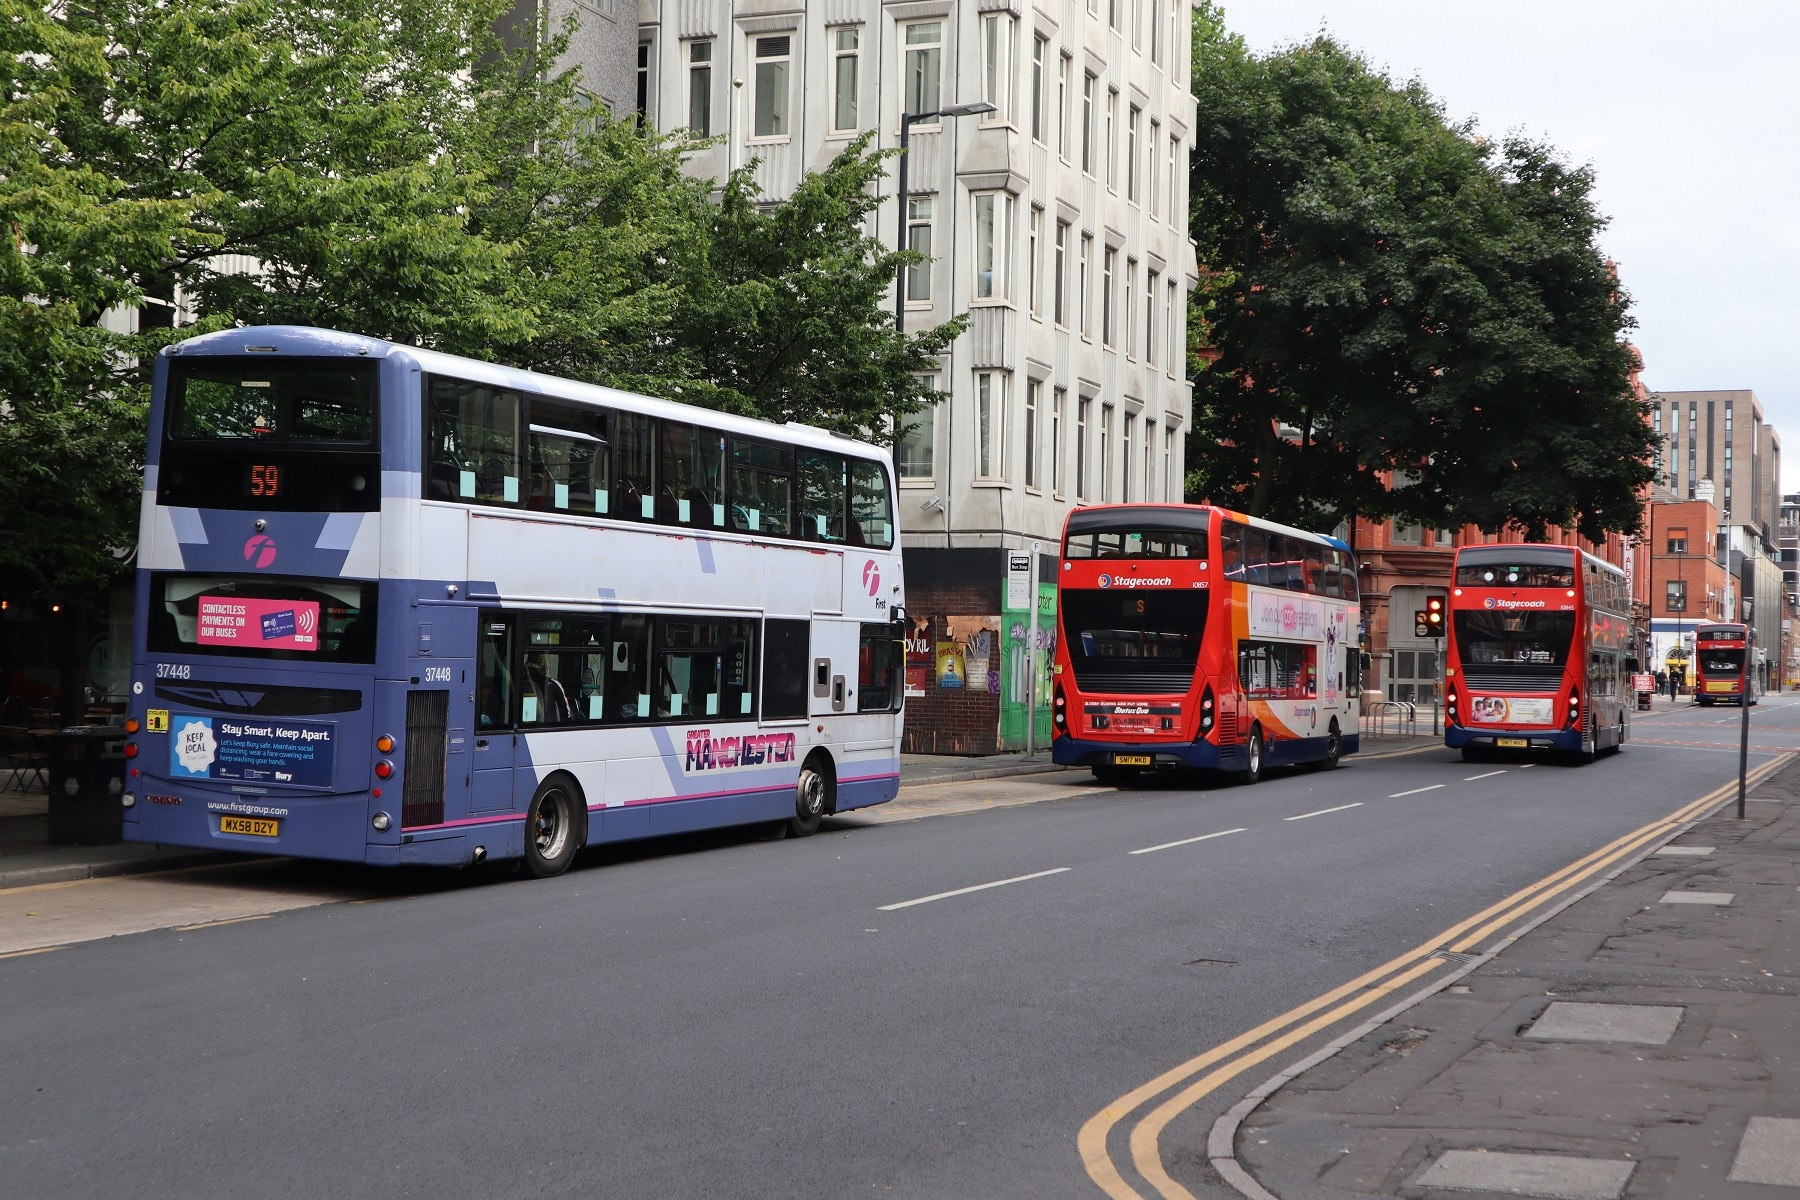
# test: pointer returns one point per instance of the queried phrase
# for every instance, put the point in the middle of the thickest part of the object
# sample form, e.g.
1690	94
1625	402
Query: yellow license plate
254	826
1131	760
1514	743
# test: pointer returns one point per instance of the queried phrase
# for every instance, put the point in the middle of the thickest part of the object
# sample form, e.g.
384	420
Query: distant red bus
1722	673
1196	637
1537	652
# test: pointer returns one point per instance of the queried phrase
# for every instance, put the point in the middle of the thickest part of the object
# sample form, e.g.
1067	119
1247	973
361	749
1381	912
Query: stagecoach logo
1490	602
1132	581
708	753
259	551
872	576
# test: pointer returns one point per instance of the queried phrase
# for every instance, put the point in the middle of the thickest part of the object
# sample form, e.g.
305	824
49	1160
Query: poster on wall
951	672
978	637
918	655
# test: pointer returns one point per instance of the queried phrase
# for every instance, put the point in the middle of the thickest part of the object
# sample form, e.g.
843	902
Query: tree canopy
1387	296
393	168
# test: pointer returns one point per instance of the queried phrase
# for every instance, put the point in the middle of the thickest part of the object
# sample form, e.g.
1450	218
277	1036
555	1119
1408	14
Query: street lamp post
907	120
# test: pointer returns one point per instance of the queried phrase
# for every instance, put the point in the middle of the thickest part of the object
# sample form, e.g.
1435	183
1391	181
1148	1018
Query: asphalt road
731	1017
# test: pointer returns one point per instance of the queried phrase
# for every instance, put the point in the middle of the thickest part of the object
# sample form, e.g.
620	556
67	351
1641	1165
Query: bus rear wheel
1253	758
1116	776
555	826
812	799
1334	749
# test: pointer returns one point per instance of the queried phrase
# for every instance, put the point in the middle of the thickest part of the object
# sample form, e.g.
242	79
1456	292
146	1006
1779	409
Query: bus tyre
812	799
1113	776
555	827
1334	746
1474	754
1253	758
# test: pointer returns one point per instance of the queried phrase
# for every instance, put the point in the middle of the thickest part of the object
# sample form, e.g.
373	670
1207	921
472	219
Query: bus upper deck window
870	511
762	488
821	496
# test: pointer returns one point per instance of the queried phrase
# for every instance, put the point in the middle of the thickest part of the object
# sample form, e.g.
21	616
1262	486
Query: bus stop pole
1744	734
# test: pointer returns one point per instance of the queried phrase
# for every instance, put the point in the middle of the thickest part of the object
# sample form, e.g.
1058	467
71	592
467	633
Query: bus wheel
1116	776
812	798
1253	758
1474	754
554	827
1334	747
1620	744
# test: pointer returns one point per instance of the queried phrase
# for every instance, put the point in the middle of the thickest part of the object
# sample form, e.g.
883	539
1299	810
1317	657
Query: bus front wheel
1253	758
555	826
812	799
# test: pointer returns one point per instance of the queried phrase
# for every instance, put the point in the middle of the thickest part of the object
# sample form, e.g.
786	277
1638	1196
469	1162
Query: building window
1155	161
990	425
1175	356
1087	122
700	88
1168	483
1131	152
921	58
1081	442
1081	291
1150	460
1137	24
914	451
643	82
1125	454
1062	107
1057	401
1130	309
1040	48
1112	12
1677	541
996	73
1033	262
1175	214
1108	261
1057	276
1032	387
1106	471
918	239
993	236
1112	120
1150	329
772	61
843	79
1155	30
1676	595
1407	535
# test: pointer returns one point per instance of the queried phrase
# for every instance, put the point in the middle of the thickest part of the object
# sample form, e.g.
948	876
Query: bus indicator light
385	744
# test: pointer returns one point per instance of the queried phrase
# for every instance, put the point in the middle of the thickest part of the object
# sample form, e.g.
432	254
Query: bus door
495	738
438	708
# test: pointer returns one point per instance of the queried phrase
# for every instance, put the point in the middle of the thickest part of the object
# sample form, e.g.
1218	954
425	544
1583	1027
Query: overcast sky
1690	115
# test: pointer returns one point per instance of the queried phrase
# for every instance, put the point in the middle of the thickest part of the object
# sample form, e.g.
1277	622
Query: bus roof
1095	518
1530	554
331	343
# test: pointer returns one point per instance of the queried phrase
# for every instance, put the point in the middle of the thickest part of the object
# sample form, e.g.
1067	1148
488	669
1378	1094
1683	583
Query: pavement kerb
1221	1140
69	872
1039	768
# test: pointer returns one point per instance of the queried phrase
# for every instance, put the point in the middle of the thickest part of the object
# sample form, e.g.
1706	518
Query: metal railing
1401	715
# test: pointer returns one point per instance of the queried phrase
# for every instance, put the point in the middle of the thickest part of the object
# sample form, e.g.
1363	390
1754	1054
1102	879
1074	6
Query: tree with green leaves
1387	297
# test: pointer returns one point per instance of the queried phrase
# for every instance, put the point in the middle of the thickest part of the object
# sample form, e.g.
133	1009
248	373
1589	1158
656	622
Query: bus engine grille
422	801
1135	683
1511	677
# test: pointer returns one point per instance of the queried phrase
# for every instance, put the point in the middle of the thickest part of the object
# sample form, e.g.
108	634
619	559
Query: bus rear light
384	769
1206	711
130	749
1450	704
381	821
384	744
1574	706
131	725
1061	711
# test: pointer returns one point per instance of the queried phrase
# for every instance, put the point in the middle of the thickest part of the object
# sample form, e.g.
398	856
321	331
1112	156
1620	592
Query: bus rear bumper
1077	752
1458	736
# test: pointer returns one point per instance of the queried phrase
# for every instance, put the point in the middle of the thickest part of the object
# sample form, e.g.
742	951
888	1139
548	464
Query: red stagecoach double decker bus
1537	652
1196	637
1722	672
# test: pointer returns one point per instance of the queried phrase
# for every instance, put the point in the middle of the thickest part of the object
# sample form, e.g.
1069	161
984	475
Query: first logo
259	551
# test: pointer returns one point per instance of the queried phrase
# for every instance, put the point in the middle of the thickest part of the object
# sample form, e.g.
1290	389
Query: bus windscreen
272	402
1514	575
1137	543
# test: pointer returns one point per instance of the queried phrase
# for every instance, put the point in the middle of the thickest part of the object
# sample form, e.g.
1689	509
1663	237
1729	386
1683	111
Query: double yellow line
1185	1085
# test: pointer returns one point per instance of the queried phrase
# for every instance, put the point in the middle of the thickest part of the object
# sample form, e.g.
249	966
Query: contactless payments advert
294	753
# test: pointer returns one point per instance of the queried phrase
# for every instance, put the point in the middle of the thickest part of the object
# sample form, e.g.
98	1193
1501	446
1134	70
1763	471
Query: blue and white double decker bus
395	606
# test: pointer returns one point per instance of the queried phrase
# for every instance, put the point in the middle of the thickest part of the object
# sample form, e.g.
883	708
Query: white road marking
980	887
1434	787
1187	841
1526	766
1489	775
1323	811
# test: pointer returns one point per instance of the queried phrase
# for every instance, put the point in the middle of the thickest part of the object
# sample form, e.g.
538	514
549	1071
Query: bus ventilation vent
1166	681
1512	677
422	803
1227	728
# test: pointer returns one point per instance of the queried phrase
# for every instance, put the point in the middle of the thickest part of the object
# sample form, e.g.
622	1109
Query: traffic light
1434	616
1421	623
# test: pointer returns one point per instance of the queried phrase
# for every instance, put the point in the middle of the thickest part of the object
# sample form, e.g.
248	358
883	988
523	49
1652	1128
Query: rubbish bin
87	779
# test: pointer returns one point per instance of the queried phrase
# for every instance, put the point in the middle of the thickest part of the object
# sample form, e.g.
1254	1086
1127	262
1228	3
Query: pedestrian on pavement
1662	682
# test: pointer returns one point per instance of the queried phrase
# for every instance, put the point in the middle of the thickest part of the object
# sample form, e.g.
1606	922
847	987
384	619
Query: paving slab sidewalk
1629	1047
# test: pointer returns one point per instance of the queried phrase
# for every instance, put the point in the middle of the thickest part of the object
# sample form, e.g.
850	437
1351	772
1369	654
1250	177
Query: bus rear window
255	399
1515	575
284	617
1137	543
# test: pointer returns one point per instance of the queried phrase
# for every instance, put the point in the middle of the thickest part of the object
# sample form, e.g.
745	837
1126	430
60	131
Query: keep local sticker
193	748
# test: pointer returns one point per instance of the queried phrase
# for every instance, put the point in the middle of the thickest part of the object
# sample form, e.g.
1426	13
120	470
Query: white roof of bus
310	340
